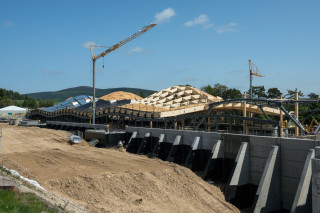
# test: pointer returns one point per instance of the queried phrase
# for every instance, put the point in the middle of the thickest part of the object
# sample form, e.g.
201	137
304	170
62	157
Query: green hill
62	95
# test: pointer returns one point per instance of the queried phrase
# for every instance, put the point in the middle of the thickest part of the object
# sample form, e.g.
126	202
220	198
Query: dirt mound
106	180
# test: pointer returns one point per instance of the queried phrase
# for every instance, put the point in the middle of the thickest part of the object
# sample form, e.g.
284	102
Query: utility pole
114	47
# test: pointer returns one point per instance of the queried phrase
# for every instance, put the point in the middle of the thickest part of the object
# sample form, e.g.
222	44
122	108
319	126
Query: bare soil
106	180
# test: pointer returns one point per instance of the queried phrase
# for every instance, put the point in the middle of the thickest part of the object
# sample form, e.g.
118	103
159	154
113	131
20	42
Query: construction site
177	150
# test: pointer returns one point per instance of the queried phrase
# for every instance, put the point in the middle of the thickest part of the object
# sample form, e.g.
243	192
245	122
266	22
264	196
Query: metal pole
94	92
251	85
244	114
250	70
296	112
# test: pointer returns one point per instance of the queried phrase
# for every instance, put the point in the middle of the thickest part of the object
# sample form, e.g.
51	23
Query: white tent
11	110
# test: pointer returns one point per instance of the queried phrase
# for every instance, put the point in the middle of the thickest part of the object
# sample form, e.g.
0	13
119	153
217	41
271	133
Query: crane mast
253	71
109	50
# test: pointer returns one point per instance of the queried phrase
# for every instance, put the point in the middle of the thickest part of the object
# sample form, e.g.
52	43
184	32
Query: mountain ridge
63	94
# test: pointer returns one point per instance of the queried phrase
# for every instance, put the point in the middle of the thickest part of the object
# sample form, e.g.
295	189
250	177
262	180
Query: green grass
14	202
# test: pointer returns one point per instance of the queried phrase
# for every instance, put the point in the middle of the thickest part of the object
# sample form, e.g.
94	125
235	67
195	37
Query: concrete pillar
193	148
244	114
302	200
240	174
216	156
151	124
268	197
238	185
157	145
296	112
316	181
173	149
134	135
143	142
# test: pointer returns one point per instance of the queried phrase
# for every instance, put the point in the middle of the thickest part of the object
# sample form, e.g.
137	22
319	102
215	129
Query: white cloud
137	50
8	24
231	27
49	72
202	20
88	43
164	16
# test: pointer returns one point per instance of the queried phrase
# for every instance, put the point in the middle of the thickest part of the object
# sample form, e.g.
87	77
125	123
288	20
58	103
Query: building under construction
183	107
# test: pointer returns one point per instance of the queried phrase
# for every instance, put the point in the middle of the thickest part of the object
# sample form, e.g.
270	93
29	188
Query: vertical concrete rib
268	197
302	199
134	135
157	145
194	147
142	145
215	154
238	184
241	173
174	148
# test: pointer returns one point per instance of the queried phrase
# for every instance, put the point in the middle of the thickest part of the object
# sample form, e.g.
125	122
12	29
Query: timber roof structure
178	100
120	95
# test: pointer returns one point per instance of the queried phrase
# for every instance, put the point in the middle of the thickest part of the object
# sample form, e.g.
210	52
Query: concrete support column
195	145
143	143
296	112
302	200
238	185
316	181
157	145
174	148
215	161
269	197
244	114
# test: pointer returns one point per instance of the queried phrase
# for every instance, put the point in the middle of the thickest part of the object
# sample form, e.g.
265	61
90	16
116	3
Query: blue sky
43	44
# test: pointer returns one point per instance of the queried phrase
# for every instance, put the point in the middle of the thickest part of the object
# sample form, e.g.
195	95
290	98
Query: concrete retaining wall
285	168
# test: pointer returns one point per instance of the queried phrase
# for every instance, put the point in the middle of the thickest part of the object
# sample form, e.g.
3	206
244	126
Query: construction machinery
312	127
253	71
109	50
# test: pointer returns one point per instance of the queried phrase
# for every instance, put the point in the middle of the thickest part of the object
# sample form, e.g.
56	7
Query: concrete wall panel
291	169
171	135
188	137
231	144
156	132
288	188
209	139
143	131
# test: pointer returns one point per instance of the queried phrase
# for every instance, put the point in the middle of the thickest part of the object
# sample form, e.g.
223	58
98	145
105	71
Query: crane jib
121	43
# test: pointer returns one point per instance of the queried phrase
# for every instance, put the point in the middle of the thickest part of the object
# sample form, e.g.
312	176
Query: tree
217	90
5	102
274	93
208	89
222	91
258	92
142	95
290	94
30	103
313	96
232	94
